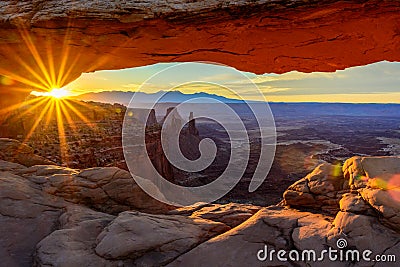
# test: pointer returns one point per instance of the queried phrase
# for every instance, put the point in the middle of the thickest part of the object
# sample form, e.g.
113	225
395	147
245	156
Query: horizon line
234	100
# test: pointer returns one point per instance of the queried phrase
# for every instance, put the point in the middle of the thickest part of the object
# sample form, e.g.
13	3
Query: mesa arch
50	43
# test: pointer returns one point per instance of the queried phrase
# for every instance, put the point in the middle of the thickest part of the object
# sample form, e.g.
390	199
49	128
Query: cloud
222	77
133	86
381	78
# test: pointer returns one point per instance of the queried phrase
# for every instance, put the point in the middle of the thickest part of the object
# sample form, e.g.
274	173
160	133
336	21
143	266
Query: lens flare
45	75
394	187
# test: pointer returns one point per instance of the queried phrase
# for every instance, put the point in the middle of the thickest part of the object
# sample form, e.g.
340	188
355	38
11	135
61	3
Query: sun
58	93
51	99
55	93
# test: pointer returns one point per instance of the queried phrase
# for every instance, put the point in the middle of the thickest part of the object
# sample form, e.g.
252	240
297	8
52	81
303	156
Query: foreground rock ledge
54	216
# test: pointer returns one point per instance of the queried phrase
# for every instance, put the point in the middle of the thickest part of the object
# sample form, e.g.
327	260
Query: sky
374	83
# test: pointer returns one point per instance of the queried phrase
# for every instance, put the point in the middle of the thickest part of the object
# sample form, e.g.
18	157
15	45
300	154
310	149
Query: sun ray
67	74
41	68
61	134
16	106
67	116
50	61
49	115
62	75
32	108
80	115
38	59
23	80
62	66
37	121
46	85
45	76
39	83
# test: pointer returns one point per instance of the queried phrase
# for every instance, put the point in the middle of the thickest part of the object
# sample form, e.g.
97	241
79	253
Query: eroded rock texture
328	209
50	43
321	189
17	152
55	216
105	189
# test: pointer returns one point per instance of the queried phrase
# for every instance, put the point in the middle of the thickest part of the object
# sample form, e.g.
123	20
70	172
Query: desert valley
316	133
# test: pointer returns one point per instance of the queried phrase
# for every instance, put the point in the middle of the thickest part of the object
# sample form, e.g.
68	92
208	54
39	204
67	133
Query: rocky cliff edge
55	216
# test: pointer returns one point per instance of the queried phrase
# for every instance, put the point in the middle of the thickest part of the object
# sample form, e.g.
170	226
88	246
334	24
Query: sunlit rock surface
17	152
55	216
321	189
109	189
377	179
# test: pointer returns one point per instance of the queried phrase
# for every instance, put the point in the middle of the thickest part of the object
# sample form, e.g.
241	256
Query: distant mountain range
278	109
166	97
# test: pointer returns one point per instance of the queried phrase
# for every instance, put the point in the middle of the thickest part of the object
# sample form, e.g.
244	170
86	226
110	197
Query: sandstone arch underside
50	43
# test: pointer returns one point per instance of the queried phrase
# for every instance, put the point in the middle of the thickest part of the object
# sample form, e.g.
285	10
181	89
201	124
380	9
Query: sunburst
48	76
55	92
54	107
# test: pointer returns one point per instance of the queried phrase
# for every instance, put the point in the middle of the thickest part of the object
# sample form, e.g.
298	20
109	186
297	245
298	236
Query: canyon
308	135
100	216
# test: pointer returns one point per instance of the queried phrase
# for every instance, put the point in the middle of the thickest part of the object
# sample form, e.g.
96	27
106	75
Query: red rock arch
274	36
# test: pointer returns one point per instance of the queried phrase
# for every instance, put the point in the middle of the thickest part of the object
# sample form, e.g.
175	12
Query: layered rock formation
55	216
76	215
110	190
188	140
321	189
49	44
377	181
17	152
369	185
92	132
146	32
93	139
328	209
156	153
192	125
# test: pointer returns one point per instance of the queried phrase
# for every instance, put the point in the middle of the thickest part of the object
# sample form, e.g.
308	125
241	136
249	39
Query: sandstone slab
153	239
14	151
320	189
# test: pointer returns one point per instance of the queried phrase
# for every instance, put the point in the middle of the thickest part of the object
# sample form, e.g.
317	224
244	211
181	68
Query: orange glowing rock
49	45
